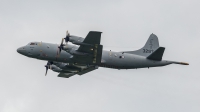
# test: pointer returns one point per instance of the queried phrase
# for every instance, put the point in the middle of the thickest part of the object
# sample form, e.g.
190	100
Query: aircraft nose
18	50
21	50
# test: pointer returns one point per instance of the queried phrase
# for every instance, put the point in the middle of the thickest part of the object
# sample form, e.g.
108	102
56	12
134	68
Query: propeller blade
48	66
60	47
67	37
46	70
67	32
62	41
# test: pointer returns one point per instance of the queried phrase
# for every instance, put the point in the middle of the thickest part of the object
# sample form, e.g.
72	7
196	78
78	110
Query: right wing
91	45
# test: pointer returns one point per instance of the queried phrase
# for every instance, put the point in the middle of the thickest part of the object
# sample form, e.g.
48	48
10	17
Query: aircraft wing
91	45
67	75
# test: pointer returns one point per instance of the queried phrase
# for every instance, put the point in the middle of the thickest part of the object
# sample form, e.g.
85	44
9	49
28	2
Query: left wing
67	75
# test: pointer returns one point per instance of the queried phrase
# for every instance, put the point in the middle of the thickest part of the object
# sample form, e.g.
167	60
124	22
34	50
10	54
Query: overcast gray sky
126	25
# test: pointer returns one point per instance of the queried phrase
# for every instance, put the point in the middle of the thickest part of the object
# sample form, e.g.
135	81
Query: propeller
61	46
48	66
67	37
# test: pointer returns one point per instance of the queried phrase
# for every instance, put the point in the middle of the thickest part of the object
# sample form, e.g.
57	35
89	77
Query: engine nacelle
75	39
55	68
64	67
72	51
68	47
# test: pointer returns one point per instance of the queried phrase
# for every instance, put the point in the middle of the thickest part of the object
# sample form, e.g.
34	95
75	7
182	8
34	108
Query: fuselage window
121	57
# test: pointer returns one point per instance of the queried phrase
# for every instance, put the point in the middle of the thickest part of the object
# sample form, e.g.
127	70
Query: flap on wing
87	70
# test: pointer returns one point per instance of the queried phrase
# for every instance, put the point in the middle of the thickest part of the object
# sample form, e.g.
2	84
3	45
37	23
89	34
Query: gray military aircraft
70	59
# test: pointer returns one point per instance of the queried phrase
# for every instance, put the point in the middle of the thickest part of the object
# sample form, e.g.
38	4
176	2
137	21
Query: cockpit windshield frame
32	43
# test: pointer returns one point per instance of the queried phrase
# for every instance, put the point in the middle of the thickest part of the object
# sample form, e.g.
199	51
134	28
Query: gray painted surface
126	26
117	60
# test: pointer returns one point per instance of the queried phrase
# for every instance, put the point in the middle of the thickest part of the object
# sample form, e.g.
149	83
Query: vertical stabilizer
151	45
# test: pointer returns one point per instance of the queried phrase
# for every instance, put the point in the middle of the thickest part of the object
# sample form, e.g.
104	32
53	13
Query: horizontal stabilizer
157	55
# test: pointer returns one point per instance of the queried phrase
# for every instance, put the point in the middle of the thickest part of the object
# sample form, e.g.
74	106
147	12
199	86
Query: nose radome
20	50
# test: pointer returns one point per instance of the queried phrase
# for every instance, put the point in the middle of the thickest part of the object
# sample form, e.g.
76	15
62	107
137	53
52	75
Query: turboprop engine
71	48
73	39
53	67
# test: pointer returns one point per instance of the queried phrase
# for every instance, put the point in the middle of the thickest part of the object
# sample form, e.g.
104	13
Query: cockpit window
33	43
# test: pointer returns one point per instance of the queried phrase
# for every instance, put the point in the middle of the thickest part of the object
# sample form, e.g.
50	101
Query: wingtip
95	31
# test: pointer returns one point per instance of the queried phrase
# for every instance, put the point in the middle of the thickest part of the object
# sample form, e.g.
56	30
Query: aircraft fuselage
110	59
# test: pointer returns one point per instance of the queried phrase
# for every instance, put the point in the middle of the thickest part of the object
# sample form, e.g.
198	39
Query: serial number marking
147	51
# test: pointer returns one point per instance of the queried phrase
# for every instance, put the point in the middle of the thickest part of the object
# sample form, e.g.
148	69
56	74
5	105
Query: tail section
151	45
152	51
